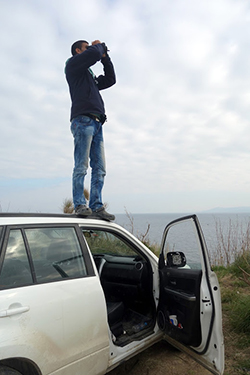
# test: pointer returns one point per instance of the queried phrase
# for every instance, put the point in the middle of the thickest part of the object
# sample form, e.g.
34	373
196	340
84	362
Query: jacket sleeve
108	79
86	59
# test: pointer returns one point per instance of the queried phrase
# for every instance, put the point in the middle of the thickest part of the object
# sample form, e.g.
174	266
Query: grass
232	266
68	205
232	241
235	297
240	314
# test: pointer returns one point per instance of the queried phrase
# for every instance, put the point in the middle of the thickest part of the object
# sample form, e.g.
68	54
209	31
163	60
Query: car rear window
15	271
56	254
41	255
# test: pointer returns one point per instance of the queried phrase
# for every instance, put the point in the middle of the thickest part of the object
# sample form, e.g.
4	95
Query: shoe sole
96	216
84	213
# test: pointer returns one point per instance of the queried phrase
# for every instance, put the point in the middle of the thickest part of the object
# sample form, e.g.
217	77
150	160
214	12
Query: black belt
93	117
100	119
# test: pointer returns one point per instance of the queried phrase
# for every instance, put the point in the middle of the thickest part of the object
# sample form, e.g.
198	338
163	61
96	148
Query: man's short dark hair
76	45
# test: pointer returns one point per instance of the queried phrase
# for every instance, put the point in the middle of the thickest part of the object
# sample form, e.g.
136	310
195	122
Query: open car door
189	310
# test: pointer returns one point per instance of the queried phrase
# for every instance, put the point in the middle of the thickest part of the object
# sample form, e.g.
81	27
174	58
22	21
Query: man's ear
78	51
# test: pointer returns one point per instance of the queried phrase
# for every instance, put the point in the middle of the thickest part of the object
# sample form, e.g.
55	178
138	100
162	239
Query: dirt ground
160	359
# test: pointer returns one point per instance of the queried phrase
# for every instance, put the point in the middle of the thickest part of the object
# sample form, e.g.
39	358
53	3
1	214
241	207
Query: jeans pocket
84	120
78	122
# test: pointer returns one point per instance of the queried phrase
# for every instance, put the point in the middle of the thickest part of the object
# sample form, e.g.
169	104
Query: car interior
126	279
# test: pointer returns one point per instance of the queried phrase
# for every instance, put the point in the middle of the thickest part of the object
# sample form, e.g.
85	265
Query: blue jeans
88	145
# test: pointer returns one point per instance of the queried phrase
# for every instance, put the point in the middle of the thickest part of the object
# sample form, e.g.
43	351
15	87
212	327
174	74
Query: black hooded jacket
83	85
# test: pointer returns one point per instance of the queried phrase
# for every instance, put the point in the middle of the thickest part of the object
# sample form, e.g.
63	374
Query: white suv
80	296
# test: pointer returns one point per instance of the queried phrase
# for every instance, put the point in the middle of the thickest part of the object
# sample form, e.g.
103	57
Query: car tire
4	370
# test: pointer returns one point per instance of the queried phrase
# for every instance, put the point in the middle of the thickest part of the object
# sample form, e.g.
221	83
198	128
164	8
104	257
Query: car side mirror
176	259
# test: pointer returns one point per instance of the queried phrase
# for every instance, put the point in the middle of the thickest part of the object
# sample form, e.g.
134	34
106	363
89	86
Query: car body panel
57	325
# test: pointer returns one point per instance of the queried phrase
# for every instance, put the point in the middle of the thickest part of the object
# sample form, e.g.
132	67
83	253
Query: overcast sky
177	136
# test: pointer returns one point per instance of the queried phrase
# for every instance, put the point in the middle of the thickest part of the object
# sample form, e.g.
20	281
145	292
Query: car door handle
14	311
181	294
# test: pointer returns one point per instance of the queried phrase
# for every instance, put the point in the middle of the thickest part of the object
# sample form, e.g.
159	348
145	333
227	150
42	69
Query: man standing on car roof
87	118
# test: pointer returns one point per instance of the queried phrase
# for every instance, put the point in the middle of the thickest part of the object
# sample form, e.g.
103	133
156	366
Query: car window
102	242
183	238
15	271
56	254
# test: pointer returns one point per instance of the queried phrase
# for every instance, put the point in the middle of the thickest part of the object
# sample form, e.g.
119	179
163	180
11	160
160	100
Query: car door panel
181	293
52	324
189	310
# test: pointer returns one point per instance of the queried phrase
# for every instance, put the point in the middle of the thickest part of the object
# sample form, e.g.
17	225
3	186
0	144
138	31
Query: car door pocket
176	324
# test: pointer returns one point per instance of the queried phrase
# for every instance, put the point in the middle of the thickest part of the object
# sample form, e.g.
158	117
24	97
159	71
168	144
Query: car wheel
4	370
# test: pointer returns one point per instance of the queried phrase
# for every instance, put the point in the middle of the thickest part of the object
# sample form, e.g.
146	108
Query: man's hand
98	42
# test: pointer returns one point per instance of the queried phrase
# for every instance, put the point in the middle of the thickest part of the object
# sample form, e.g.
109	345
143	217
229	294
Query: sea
216	227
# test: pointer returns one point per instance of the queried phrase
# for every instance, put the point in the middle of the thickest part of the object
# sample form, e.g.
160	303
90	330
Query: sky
177	135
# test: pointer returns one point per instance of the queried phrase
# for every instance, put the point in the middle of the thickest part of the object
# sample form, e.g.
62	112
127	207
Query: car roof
8	218
28	214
